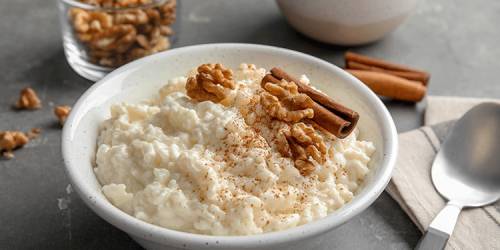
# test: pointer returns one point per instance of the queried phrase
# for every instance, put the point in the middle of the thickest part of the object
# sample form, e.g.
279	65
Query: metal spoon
466	170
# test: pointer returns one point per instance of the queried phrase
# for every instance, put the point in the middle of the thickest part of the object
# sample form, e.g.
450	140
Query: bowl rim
151	232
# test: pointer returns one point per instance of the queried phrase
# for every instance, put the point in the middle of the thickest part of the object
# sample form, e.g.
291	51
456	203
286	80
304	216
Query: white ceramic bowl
141	79
346	22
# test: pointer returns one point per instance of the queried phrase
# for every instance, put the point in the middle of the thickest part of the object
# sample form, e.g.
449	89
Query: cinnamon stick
391	86
333	116
331	122
337	108
322	116
357	61
414	76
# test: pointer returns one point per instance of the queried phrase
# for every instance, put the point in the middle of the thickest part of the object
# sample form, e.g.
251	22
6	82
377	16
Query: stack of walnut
11	140
120	31
302	108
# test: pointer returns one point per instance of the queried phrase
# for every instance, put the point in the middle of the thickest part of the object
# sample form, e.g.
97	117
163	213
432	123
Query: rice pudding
223	152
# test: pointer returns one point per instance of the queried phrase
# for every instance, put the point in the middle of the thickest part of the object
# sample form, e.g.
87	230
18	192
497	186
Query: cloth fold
411	185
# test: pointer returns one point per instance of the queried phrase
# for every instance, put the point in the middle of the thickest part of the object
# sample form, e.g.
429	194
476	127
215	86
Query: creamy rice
206	168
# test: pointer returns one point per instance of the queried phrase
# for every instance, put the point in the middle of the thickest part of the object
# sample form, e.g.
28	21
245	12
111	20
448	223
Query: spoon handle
440	228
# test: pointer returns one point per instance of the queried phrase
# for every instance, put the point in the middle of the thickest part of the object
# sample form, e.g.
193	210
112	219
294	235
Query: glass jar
101	35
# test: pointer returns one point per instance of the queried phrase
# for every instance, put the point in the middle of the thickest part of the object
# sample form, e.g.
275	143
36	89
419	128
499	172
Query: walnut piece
118	38
283	102
62	113
90	21
211	83
306	136
28	99
34	133
148	46
282	142
168	13
305	167
131	17
304	142
301	142
10	140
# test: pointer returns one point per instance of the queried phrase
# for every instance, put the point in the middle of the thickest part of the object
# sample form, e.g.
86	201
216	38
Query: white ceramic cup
346	22
141	79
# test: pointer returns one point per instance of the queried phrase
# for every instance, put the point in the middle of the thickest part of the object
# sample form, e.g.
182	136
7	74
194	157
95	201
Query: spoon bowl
466	170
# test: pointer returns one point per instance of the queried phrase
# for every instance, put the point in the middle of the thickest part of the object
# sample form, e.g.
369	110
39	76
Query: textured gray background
456	40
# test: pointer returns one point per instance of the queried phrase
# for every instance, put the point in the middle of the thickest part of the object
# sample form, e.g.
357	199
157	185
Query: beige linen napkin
412	188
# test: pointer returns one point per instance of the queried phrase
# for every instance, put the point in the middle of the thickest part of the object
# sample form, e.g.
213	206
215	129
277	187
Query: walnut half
211	83
283	102
301	142
304	143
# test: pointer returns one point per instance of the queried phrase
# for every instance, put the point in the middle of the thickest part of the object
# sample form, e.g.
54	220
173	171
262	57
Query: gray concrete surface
456	40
